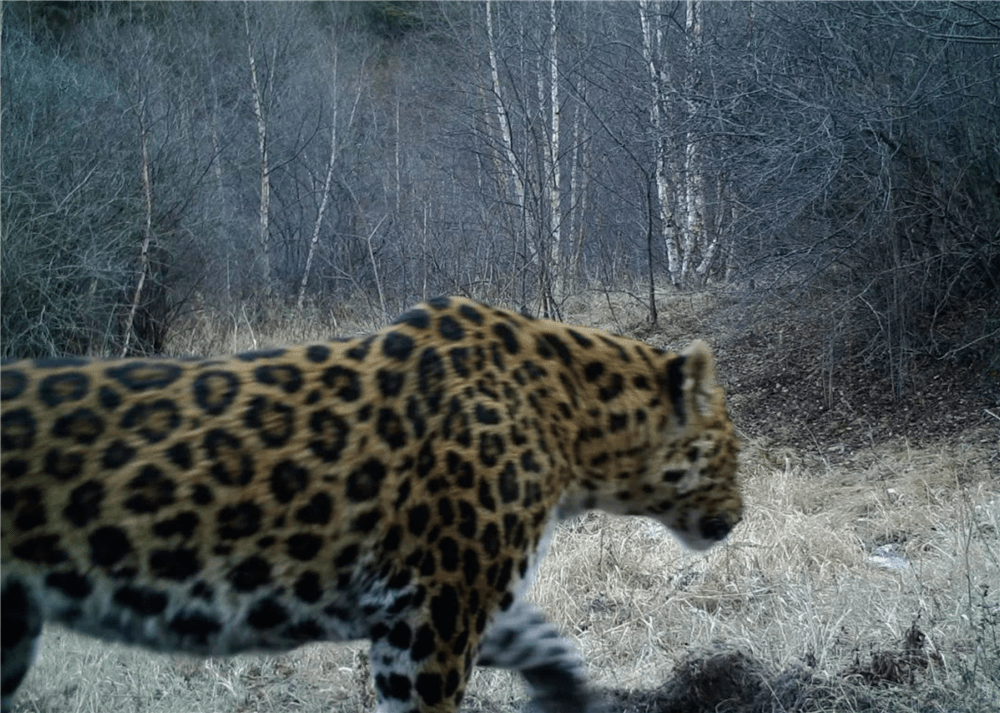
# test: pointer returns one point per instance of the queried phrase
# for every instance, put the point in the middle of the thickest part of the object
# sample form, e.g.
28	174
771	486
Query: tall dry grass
794	601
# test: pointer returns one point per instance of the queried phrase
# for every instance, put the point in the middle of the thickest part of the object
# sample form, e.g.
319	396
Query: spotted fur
399	488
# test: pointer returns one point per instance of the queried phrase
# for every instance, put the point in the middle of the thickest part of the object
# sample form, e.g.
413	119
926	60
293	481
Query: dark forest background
825	161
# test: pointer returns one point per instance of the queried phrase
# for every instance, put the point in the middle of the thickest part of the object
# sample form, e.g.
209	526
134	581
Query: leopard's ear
700	388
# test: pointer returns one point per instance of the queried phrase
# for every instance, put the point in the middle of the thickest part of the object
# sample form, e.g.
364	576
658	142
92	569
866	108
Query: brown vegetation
793	614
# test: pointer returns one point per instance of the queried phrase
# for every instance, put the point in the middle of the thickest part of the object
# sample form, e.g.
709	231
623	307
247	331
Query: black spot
331	433
13	468
393	686
550	345
444	612
390	383
307	587
265	542
200	627
366	521
360	349
401	635
487	415
613	389
307	630
450	329
617	422
504	577
215	390
202	590
593	371
456	423
249	574
425	460
108	398
63	465
230	466
182	524
81	425
267	614
424	643
12	384
59	388
580	339
449	554
180	455
154	421
108	546
397	345
84	503
491	447
460	361
416	318
389	427
430	378
365	481
415	416
466	520
486	496
143	376
418	518
287	480
262	354
304	546
317	353
43	549
72	584
430	687
446	512
508	485
672	476
529	464
471	313
316	511
347	557
507	337
142	600
201	495
285	376
117	454
440	302
532	494
241	520
491	539
344	382
150	490
273	421
470	566
178	564
30	506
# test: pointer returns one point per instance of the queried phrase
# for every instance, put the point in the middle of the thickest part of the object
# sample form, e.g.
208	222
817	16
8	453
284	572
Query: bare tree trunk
147	191
652	40
265	178
327	182
555	267
503	123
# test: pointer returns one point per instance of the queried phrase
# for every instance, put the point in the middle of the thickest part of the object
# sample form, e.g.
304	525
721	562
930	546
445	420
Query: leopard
400	487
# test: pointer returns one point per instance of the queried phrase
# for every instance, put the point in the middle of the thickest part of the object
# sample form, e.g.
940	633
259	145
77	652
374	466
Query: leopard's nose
716	527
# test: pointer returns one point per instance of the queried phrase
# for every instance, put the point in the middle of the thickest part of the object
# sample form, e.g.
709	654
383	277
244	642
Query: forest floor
865	576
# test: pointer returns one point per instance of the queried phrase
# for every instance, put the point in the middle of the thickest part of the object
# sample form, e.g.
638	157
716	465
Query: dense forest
842	158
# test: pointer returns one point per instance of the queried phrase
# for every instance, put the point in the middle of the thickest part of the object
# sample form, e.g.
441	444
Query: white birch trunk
555	213
652	39
265	179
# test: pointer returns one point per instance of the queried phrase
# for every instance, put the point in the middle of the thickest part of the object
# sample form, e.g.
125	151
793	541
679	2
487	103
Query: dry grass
792	614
